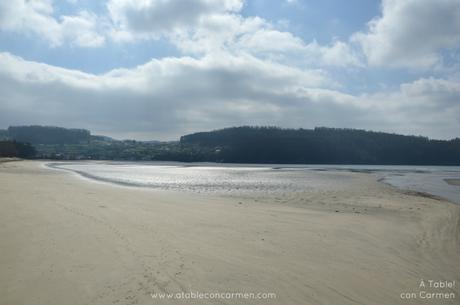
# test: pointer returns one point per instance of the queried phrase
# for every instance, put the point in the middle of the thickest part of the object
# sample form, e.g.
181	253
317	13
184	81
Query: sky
159	69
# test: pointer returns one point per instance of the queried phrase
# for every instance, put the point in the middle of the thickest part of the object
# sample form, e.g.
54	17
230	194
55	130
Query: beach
70	240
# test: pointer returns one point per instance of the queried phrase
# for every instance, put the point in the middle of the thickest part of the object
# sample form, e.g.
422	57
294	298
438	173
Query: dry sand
66	240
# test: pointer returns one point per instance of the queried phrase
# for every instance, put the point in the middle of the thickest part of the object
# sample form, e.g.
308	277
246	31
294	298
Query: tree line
10	149
323	145
48	135
245	144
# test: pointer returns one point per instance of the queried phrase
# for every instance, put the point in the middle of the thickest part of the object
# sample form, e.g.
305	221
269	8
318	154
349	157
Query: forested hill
48	135
237	145
321	146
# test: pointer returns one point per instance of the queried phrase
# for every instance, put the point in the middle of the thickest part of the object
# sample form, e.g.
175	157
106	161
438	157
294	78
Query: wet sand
68	240
453	181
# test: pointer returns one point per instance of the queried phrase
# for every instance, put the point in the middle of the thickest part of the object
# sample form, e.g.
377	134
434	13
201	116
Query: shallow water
206	177
211	177
426	179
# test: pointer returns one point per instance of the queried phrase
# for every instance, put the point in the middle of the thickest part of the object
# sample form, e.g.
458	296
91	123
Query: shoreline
6	159
71	241
427	194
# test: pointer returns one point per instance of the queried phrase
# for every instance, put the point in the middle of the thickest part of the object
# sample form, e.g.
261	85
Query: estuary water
211	177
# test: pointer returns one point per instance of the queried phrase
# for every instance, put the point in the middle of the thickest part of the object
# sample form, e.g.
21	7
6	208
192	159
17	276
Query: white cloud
234	70
434	93
207	26
196	27
156	17
168	95
337	54
427	106
36	18
30	17
81	30
172	96
253	35
411	33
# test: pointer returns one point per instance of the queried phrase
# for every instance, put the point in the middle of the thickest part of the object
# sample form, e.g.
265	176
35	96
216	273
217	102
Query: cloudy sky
157	69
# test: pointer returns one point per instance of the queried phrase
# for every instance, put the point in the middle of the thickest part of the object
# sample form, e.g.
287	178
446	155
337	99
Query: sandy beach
66	240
